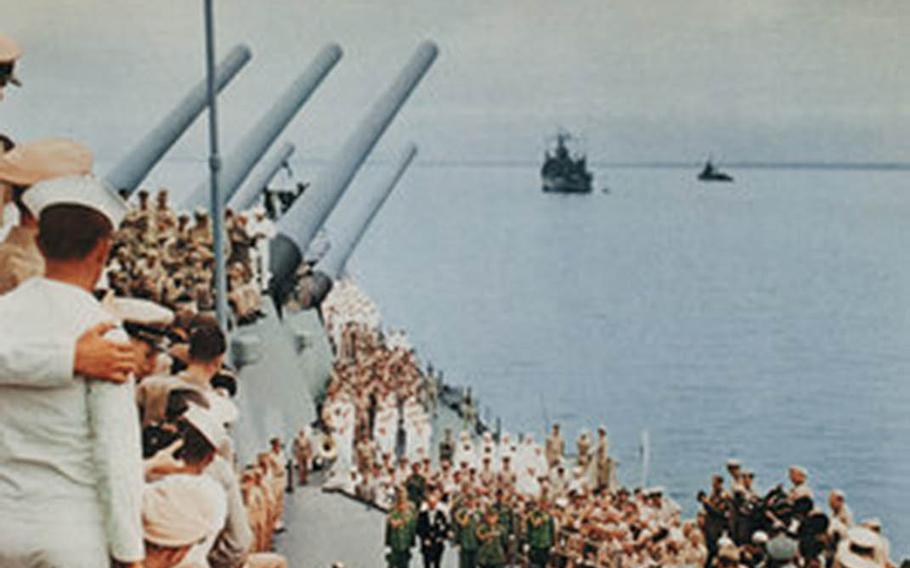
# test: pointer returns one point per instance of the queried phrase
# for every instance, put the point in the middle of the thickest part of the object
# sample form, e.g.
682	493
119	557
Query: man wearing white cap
20	168
841	516
70	456
800	489
10	53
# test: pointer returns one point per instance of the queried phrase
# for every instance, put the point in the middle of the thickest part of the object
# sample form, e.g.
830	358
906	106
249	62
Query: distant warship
711	173
561	173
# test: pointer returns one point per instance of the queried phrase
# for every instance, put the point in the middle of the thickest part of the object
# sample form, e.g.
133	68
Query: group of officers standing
115	411
785	526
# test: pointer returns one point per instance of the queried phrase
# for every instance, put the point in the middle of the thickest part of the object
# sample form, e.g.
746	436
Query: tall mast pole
217	204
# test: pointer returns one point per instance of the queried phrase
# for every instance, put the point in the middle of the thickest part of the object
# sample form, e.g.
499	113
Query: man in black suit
432	529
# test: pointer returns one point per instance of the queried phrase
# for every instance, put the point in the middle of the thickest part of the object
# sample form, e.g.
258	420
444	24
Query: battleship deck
323	528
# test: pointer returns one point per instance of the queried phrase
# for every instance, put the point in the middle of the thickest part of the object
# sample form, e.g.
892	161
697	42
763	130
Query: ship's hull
563	185
716	177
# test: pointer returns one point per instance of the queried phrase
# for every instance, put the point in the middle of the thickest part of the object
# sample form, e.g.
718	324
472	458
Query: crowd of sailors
115	399
167	257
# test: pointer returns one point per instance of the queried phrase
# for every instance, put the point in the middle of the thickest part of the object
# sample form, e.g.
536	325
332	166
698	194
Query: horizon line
624	164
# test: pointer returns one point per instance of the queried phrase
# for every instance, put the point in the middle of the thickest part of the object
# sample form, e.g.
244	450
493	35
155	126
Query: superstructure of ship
710	173
563	173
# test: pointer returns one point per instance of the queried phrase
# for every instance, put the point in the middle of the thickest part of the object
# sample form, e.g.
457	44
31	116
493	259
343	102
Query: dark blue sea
767	320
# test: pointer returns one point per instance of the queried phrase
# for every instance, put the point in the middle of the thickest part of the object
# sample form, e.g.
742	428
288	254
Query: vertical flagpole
217	204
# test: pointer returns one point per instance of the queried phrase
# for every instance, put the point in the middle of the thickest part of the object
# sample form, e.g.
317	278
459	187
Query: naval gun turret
138	162
247	153
301	222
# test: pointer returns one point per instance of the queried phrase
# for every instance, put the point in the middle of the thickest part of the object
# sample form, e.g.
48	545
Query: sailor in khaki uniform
20	168
70	456
176	515
555	447
10	52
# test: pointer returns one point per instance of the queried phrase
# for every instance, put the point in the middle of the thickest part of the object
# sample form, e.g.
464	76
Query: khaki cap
140	311
9	53
9	49
44	159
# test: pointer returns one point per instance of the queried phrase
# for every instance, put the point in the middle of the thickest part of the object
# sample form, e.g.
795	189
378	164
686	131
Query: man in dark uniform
716	506
399	533
447	447
541	534
432	529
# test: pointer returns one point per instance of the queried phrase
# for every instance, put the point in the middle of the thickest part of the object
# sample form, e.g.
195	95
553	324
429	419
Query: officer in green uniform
541	534
416	485
399	532
465	524
491	553
506	520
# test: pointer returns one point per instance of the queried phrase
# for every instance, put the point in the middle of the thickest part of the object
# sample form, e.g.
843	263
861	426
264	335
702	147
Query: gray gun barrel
243	158
367	206
246	196
300	223
132	168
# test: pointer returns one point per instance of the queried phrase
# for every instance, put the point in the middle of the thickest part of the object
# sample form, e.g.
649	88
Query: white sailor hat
858	549
47	158
177	511
85	190
207	423
733	462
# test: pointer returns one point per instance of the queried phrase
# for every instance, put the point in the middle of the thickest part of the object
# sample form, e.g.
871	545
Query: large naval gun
346	239
301	222
129	172
239	164
283	352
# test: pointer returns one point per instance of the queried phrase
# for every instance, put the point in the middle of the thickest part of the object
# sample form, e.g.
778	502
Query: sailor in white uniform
70	455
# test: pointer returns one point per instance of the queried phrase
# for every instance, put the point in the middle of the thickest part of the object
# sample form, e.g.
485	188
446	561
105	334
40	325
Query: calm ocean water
766	320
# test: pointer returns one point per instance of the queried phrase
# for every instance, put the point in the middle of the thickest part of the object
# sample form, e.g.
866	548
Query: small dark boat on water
711	173
561	173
